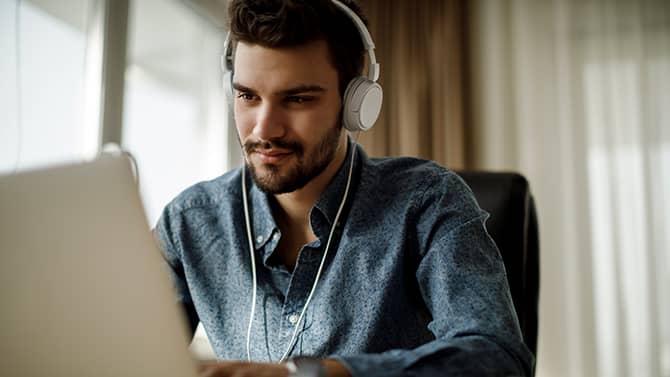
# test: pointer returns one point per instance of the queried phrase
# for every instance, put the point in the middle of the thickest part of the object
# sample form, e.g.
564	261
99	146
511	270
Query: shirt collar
330	199
263	223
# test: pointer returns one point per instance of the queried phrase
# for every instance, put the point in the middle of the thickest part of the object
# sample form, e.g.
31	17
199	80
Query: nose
269	122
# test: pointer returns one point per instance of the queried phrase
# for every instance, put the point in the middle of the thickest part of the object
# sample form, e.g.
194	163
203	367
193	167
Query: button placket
293	318
299	287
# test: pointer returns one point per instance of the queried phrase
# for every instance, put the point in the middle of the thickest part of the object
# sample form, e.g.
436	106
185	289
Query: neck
295	206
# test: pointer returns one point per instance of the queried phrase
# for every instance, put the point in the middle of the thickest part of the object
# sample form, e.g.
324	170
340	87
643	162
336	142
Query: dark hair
289	23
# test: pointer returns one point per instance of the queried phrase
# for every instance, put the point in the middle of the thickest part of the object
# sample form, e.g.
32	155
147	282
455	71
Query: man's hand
242	369
245	369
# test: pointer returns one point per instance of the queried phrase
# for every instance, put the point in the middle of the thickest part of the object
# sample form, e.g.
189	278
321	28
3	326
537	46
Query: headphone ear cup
228	87
362	104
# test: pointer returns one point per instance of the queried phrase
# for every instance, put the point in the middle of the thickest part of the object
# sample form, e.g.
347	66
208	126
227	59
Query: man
369	267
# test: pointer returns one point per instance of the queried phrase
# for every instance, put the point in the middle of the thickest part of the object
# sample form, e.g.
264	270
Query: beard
308	165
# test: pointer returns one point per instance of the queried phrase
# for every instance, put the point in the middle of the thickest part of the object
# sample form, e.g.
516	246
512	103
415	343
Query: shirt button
293	318
259	239
275	237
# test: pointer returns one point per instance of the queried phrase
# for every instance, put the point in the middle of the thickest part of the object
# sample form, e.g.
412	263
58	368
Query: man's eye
245	96
299	99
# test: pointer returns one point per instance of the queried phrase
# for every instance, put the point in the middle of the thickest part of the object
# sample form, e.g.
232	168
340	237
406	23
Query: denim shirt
412	285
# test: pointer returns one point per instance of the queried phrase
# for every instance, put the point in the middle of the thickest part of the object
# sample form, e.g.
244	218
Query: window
174	110
42	79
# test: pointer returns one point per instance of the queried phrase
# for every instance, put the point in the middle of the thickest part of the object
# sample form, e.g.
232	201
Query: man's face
287	111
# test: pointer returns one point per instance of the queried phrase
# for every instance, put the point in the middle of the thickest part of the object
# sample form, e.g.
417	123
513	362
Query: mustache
294	146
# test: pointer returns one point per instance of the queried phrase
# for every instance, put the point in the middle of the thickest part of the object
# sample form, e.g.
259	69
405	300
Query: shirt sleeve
462	280
166	235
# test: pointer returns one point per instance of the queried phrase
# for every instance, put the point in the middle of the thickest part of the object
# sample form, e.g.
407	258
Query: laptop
84	290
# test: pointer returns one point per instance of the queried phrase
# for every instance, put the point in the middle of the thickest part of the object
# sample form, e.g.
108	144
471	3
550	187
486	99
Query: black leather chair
513	227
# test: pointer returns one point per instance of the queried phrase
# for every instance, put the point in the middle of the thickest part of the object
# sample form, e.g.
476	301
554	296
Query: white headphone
362	99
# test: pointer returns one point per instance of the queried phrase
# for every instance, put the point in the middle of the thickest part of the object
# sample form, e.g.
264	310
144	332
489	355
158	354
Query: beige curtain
420	46
575	94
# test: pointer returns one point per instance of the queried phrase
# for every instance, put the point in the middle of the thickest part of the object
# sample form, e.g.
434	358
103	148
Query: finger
220	368
205	365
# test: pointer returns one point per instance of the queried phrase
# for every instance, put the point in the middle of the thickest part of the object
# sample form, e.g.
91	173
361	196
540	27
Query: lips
272	156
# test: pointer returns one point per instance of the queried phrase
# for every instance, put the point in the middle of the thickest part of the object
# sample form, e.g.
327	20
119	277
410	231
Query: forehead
271	69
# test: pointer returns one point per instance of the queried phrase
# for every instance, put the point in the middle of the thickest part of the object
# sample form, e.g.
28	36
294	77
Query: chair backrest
513	227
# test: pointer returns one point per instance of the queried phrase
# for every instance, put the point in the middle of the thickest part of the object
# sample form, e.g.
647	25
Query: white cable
325	253
253	261
19	92
113	149
323	258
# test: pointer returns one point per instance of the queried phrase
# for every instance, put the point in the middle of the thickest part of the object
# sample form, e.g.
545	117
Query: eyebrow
286	92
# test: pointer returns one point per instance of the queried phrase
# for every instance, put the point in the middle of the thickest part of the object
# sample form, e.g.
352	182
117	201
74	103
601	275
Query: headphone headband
368	44
373	67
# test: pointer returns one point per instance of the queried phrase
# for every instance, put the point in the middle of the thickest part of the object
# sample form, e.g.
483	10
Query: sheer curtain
575	95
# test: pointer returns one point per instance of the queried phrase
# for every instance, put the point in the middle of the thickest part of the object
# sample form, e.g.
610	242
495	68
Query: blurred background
572	94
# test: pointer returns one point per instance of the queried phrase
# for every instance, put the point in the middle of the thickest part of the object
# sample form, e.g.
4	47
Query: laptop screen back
83	287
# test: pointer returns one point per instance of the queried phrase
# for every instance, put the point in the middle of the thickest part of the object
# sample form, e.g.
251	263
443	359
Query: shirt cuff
387	364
